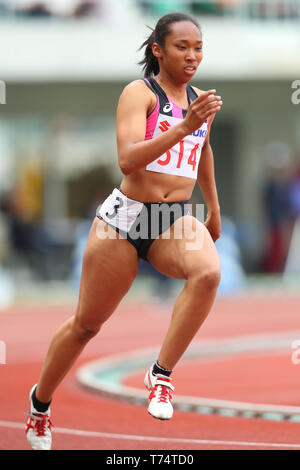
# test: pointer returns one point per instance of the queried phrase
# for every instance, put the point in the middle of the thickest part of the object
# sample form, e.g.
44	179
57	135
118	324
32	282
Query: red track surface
265	378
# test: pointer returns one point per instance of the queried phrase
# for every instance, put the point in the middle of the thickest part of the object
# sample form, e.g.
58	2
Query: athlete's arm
134	152
207	184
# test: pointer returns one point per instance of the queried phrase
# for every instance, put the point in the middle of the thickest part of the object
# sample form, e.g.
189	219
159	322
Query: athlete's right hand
206	105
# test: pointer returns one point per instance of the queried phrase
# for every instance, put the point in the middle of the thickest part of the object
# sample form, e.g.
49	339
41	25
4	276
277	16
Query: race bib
120	211
182	159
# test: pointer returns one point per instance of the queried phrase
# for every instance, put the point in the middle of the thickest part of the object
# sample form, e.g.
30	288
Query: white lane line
132	437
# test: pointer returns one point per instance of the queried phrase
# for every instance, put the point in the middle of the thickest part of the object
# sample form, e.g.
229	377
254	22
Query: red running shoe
38	431
160	396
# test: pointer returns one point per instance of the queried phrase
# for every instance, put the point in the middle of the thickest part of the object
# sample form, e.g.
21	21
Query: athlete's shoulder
138	86
137	91
136	95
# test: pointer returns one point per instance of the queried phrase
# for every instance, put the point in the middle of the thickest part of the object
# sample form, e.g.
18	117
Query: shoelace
164	393
39	423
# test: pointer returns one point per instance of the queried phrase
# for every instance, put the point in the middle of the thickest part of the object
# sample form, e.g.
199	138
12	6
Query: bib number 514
192	160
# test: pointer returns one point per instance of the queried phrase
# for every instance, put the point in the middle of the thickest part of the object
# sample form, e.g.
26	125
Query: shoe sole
156	417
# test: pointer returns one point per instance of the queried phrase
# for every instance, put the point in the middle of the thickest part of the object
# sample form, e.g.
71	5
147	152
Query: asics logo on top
164	125
168	107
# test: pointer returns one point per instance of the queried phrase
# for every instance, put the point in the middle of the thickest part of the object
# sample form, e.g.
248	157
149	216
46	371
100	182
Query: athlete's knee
83	330
208	278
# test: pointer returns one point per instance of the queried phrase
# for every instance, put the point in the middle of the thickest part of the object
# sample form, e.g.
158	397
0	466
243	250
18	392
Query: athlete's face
182	51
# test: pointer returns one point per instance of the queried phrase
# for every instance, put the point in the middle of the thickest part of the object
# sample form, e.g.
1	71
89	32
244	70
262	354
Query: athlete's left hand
213	224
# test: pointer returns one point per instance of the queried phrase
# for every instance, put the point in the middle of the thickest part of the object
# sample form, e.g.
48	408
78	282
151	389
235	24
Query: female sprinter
163	126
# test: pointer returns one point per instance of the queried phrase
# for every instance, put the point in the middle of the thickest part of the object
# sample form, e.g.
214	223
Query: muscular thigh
110	264
184	250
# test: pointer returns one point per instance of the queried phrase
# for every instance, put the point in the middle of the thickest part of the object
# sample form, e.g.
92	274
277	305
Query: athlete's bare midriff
148	186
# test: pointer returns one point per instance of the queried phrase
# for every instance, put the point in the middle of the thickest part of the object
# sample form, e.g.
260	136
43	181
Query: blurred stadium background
65	63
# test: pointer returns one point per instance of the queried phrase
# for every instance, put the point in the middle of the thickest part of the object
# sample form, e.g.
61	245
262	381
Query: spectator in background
87	8
276	202
30	243
35	9
20	231
294	195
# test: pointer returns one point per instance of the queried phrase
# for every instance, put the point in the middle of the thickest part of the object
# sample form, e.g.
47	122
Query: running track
86	421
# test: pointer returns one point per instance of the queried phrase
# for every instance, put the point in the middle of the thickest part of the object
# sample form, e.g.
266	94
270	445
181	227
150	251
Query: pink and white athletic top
182	159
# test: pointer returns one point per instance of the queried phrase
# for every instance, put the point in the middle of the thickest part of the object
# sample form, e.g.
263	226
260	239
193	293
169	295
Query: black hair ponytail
150	63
